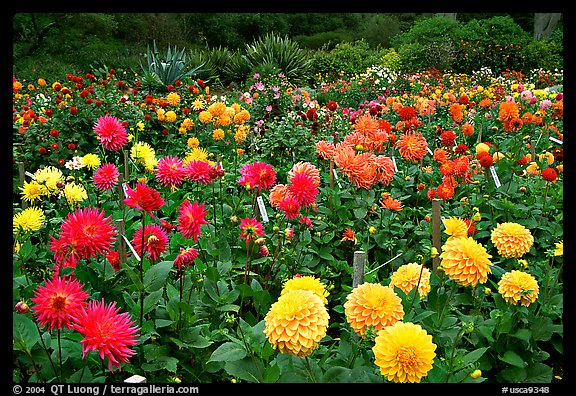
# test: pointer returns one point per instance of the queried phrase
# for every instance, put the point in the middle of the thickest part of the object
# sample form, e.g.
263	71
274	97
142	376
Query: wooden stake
533	150
359	264
21	174
121	243
436	236
126	170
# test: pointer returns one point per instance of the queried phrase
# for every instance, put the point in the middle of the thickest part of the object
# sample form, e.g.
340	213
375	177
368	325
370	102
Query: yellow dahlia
407	276
512	239
48	177
31	191
307	283
296	322
372	305
91	161
518	287
465	261
30	219
559	248
404	352
74	193
455	227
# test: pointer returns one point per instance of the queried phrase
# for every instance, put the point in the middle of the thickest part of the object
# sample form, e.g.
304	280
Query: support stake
436	237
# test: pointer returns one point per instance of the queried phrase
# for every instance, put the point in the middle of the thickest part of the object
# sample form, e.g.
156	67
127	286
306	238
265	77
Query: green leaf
24	332
193	338
156	276
162	363
228	352
245	369
151	300
512	358
473	356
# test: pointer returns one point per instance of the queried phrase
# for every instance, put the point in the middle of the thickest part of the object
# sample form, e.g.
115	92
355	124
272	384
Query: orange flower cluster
507	112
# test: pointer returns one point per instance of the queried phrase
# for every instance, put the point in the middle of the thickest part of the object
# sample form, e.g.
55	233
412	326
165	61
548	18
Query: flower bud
22	307
476	374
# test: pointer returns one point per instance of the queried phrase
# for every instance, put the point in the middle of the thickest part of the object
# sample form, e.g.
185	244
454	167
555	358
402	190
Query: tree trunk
545	23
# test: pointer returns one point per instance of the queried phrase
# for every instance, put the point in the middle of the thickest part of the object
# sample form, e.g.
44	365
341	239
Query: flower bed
383	229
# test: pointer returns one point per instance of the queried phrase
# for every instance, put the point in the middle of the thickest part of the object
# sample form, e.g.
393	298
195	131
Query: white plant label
262	208
394	162
125	188
555	140
430	151
495	176
336	177
131	248
29	174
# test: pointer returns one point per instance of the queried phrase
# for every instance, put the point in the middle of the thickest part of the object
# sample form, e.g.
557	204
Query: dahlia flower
155	241
30	219
186	257
144	198
512	239
311	283
107	331
372	305
412	146
110	132
106	177
190	219
518	287
465	261
170	171
404	352
296	322
59	302
407	276
455	227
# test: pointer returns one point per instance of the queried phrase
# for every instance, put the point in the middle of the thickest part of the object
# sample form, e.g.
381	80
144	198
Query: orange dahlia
404	352
465	261
412	146
371	305
296	322
311	283
512	239
508	111
518	287
407	276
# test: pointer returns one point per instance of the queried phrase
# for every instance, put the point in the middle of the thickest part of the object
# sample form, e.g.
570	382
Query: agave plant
173	66
275	53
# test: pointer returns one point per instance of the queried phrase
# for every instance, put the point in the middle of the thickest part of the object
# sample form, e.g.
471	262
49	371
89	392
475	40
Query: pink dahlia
155	241
144	198
170	171
106	177
111	133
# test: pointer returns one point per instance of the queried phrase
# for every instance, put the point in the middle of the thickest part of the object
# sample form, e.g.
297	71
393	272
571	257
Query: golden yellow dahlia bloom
465	261
455	227
296	322
512	239
372	305
404	352
30	219
407	276
559	248
518	287
307	283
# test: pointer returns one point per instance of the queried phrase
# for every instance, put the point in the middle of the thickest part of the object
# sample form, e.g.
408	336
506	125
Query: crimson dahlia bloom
257	174
58	302
155	241
144	198
190	219
304	189
186	257
84	233
107	331
111	133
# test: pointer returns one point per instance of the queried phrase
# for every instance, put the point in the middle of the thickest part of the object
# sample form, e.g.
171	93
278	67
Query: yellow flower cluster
30	219
142	153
